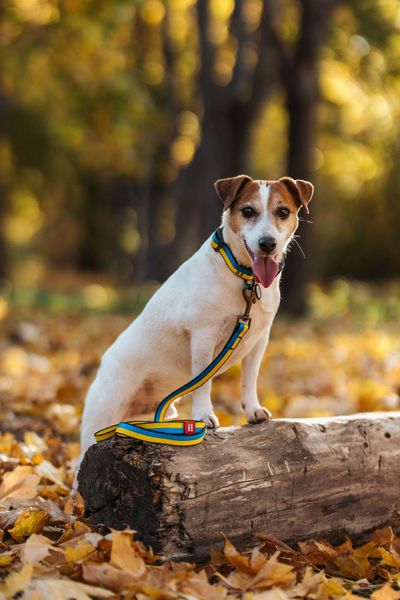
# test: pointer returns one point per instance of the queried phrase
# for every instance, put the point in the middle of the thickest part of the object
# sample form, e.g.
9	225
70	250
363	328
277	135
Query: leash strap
177	432
189	432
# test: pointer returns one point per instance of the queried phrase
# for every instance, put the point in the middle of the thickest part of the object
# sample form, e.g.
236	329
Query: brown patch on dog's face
250	198
230	188
301	191
282	208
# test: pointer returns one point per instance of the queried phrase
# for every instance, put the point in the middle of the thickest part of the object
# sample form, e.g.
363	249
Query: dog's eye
283	212
248	212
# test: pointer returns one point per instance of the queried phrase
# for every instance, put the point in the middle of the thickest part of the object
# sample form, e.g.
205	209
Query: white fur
182	328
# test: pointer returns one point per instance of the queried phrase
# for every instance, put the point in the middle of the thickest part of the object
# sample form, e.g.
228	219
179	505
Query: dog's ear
302	191
229	188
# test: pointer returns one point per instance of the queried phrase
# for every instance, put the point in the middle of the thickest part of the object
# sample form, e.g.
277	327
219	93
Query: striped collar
217	242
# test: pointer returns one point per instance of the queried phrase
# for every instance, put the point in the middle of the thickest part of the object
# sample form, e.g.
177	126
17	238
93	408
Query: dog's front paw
258	415
211	420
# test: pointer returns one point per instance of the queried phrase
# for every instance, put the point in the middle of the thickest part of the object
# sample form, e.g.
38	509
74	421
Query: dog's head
260	218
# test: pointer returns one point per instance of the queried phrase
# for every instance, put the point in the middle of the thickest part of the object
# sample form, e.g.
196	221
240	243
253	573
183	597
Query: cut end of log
294	479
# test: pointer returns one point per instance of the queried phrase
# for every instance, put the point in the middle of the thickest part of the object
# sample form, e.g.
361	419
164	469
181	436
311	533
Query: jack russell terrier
188	320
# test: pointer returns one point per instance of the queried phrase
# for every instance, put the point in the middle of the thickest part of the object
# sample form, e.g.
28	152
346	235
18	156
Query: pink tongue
265	268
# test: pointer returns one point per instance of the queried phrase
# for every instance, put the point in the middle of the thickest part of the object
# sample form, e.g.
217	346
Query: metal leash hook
251	293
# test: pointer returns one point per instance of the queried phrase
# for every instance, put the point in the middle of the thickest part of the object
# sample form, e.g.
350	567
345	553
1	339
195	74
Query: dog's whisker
305	220
298	245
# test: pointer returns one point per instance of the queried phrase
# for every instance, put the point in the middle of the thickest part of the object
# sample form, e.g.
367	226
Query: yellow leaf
124	556
20	484
329	588
273	573
235	558
6	559
34	443
79	551
369	550
390	558
30	521
386	593
16	581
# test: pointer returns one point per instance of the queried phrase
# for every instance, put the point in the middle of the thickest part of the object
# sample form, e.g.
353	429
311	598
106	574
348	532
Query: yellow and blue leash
190	432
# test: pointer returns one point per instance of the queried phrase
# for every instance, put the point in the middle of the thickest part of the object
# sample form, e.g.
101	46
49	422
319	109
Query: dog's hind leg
106	404
202	348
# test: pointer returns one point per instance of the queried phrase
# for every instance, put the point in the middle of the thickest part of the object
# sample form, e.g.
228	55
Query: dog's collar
217	242
219	245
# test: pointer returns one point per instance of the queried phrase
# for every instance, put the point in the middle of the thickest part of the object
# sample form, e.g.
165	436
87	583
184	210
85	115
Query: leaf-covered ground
333	363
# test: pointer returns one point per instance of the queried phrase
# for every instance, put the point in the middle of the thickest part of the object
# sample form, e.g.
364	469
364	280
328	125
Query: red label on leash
189	427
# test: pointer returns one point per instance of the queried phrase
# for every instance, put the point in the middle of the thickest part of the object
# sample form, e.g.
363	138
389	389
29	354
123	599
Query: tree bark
294	479
300	79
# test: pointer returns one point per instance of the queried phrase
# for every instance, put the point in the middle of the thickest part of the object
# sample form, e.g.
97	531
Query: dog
188	320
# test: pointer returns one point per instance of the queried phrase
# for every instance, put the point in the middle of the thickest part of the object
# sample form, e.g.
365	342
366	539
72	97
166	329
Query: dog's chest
262	315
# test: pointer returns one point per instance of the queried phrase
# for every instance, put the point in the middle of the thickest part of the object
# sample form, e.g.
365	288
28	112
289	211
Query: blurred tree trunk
156	187
300	78
228	114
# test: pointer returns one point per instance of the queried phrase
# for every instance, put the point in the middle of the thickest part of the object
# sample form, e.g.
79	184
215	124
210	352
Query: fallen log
294	479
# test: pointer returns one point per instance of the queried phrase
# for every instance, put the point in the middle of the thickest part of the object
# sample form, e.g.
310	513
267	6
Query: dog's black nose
267	244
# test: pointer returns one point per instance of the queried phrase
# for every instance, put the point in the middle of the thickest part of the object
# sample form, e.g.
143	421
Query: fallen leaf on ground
20	484
37	548
124	556
63	589
30	521
386	593
106	575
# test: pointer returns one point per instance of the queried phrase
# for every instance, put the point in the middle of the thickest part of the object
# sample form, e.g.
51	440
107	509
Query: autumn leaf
383	537
275	594
124	556
48	471
79	551
37	548
16	581
198	586
386	593
105	575
30	521
319	553
64	589
20	484
390	558
236	559
6	559
273	573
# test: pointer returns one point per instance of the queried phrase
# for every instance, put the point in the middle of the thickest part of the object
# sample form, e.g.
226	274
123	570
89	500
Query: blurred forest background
116	117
